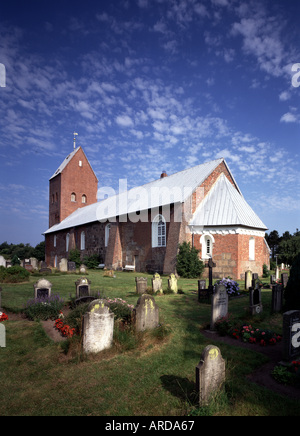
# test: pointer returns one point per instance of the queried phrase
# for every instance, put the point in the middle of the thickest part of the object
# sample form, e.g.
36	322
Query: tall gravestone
248	279
210	374
277	298
2	336
98	327
203	292
219	304
255	304
172	283
291	334
63	265
284	279
146	313
157	283
141	284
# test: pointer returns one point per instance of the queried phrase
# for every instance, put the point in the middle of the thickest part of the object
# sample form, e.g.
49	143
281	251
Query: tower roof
67	160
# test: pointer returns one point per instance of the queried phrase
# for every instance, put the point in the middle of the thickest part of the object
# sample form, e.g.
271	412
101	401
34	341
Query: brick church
143	226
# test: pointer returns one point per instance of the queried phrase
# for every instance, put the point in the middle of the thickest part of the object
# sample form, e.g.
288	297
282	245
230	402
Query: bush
74	256
266	272
91	261
232	286
14	274
292	291
188	263
43	308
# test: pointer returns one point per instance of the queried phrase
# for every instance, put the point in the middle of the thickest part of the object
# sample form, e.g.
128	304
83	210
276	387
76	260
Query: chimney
163	174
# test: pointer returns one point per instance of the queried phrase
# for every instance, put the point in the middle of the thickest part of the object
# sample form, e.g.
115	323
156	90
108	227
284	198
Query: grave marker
210	374
277	298
219	304
255	298
172	283
248	279
146	313
284	279
157	283
42	289
2	336
210	265
63	265
141	285
83	287
291	334
98	327
71	266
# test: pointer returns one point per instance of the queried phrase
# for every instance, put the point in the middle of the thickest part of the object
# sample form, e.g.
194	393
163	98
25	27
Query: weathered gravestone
83	287
42	289
172	283
203	292
219	304
71	266
157	283
291	334
284	279
248	279
277	298
146	313
98	327
83	269
272	279
34	262
210	374
2	336
277	273
255	305
141	285
63	265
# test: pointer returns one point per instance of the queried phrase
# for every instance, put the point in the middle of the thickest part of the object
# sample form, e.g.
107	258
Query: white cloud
124	121
290	118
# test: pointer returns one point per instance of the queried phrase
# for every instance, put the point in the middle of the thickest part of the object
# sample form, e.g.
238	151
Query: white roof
225	206
172	189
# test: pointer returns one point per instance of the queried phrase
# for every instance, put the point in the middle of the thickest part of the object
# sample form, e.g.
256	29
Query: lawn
156	378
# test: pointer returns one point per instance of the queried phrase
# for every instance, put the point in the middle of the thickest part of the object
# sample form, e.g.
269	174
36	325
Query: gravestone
42	289
2	336
248	279
255	298
284	279
71	266
2	261
83	269
277	273
172	283
219	304
210	265
291	334
210	374
83	287
157	283
203	292
98	327
277	298
34	262
141	285
272	279
146	313
63	265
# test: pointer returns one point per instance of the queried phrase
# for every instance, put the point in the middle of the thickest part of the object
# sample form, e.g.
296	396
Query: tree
39	251
288	250
188	263
292	291
273	240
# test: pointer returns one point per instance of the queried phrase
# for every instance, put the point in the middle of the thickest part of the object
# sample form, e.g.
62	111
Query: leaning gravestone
141	285
210	374
83	287
146	313
98	327
42	289
157	283
291	334
172	283
219	304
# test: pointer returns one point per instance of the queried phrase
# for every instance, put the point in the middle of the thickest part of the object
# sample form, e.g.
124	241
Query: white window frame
252	248
67	242
82	241
159	232
207	242
54	241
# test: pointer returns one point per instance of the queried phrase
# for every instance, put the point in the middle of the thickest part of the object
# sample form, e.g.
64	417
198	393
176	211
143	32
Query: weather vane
75	134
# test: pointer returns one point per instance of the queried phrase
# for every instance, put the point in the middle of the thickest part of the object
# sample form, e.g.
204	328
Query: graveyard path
262	376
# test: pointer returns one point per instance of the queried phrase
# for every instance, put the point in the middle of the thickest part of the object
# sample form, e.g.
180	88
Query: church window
159	232
251	249
73	196
83	199
80	163
67	241
107	230
54	241
207	242
82	241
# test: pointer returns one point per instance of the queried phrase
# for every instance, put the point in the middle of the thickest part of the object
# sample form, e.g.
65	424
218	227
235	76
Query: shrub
91	261
188	263
292	292
232	287
14	274
266	272
74	256
121	309
43	308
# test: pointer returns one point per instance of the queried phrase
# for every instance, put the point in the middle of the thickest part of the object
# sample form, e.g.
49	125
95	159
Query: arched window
82	241
54	241
73	196
83	199
107	230
251	249
159	232
67	241
207	242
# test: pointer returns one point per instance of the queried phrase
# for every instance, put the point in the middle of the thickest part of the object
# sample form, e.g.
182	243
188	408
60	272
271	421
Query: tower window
83	199
73	196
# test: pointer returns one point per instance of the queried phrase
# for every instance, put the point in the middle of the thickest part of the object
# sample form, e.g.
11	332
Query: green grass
156	378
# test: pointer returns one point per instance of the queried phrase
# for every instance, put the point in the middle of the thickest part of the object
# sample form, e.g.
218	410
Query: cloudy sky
149	85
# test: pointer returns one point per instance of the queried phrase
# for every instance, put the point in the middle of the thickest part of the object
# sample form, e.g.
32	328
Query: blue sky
149	85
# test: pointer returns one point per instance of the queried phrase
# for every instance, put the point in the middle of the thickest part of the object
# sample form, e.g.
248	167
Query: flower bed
3	317
64	329
232	286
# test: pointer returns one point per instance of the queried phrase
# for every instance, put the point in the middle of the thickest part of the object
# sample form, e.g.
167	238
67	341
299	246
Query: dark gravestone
71	266
291	334
82	287
255	298
42	293
284	279
203	292
42	289
277	298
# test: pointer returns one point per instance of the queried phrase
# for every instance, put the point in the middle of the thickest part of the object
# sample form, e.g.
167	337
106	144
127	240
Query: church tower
73	185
